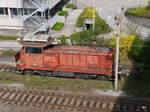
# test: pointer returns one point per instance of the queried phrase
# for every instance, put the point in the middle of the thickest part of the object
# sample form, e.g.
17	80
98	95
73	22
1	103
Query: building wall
52	3
12	10
11	3
11	23
19	3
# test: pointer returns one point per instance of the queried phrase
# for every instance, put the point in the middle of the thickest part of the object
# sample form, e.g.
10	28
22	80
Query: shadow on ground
138	83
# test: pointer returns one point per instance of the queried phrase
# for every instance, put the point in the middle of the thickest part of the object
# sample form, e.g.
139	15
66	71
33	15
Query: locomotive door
33	57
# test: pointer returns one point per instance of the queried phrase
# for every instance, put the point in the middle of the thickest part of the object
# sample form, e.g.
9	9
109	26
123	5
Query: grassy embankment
141	12
7	53
63	13
58	26
70	5
63	84
6	37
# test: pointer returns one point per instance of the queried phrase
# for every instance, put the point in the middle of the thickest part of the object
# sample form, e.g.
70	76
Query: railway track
7	68
71	102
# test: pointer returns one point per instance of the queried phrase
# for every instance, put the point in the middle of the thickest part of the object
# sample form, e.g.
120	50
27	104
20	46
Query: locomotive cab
31	54
33	50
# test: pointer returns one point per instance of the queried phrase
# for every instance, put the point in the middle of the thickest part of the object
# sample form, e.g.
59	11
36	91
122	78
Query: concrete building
23	14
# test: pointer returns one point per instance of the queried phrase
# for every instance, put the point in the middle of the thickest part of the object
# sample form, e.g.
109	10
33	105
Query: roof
37	41
80	49
36	38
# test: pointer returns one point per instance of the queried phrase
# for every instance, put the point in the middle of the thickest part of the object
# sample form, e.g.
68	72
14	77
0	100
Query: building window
6	11
25	12
1	11
14	11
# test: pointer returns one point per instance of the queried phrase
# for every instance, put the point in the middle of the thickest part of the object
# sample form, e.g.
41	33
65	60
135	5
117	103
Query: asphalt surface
7	60
9	44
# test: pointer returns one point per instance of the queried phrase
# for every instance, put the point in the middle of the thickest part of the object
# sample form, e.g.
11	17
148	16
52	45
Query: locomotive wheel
78	76
42	73
102	77
50	74
28	72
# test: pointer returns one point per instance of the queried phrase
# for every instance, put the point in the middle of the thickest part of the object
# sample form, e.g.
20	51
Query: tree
126	42
148	6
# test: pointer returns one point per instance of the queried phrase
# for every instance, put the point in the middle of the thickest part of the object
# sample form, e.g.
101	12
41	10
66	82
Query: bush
133	50
125	46
63	40
70	5
83	38
140	53
100	25
86	38
58	26
6	37
63	13
148	6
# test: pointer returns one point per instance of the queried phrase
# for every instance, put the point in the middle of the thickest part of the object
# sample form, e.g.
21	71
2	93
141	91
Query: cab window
33	50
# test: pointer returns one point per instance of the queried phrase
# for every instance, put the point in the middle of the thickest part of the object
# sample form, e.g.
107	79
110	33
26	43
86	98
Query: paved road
7	60
9	44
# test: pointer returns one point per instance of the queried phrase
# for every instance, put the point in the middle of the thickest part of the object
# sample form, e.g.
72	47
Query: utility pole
75	3
93	17
117	56
118	20
137	7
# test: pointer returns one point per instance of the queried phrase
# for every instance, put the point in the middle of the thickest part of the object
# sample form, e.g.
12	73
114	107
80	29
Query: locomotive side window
33	50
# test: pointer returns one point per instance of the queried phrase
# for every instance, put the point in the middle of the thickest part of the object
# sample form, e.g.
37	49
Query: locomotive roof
81	49
36	38
37	41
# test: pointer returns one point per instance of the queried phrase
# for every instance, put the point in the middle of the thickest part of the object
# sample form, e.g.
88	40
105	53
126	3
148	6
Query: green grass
100	25
4	37
86	14
142	12
70	5
137	88
39	82
6	82
63	13
58	26
7	53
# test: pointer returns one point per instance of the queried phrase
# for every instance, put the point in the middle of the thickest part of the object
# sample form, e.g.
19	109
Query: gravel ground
4	107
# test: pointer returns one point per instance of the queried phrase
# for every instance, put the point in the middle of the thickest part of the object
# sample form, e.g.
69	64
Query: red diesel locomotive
70	61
